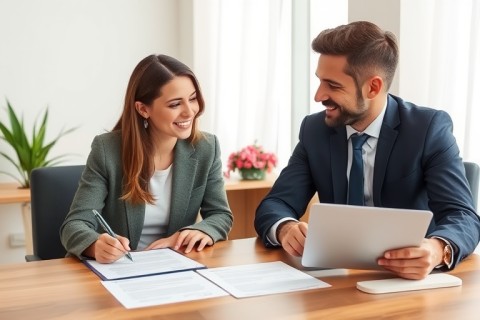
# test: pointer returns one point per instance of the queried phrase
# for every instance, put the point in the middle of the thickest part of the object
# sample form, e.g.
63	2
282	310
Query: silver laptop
354	237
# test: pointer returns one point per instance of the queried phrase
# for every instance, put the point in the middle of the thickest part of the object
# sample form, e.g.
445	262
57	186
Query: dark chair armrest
32	257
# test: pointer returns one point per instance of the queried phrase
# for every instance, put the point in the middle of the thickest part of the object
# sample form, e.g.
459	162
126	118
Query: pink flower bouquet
251	157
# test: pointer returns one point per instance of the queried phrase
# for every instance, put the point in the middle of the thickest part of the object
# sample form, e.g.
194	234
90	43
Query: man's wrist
446	253
272	232
283	228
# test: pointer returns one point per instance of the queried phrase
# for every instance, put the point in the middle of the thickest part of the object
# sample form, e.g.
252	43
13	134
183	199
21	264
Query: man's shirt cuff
272	233
450	263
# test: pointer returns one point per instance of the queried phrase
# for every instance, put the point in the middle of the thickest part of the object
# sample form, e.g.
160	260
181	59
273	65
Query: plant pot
252	174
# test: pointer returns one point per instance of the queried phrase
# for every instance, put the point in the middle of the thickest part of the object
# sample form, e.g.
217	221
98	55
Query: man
410	157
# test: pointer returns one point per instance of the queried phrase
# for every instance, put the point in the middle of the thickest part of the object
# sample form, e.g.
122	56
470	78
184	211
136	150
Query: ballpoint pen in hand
107	229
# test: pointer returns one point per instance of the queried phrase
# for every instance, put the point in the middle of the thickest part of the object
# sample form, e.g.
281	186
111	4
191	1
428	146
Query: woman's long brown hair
145	85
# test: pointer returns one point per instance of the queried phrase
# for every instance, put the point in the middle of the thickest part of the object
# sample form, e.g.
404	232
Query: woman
152	174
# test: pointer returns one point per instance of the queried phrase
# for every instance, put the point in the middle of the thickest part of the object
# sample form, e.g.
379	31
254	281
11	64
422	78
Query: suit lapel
184	168
388	135
339	149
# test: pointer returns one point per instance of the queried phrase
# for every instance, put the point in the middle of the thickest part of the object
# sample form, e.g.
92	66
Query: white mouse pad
438	280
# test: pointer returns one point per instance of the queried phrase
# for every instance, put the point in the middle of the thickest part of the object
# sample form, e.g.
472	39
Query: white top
157	216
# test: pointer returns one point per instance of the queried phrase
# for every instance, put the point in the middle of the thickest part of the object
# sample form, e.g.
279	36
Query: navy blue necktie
355	182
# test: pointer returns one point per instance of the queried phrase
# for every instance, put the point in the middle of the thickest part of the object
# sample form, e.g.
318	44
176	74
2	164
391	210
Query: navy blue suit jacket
417	166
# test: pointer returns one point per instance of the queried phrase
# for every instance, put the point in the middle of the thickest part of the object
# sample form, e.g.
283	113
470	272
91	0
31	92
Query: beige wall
76	57
384	13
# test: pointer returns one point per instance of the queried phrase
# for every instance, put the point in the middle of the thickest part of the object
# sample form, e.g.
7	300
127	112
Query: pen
107	229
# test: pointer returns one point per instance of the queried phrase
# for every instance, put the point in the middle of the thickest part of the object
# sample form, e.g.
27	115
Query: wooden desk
10	193
66	289
243	198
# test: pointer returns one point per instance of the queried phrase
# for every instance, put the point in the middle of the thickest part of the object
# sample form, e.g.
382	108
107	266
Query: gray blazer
197	186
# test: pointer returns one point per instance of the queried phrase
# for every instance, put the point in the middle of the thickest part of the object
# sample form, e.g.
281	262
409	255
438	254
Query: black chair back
472	171
52	190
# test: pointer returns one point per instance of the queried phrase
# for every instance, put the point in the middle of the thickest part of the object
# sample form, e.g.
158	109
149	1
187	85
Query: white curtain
440	63
440	49
242	59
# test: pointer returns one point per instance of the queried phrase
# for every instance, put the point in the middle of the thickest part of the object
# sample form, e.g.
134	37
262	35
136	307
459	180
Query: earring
145	123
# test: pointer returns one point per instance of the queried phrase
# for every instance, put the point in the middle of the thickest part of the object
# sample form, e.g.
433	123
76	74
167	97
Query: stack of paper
165	276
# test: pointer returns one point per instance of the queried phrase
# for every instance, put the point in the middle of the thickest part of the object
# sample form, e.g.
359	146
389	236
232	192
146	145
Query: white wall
338	12
384	13
76	57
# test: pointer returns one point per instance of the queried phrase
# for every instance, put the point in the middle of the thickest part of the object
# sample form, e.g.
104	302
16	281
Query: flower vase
252	174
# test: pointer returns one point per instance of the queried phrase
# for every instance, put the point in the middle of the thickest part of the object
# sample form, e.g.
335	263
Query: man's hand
416	262
291	234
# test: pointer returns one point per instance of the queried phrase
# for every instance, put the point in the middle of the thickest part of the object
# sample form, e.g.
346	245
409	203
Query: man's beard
345	116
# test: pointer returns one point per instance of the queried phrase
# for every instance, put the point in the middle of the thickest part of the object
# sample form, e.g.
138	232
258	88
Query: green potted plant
31	153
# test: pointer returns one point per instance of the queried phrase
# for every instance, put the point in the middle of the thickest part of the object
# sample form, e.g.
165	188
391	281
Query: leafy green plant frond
17	166
31	153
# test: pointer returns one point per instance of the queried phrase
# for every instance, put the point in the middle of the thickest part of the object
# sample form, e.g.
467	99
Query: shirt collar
373	129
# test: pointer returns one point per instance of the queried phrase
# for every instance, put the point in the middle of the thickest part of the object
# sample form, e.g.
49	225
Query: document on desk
261	279
146	263
162	289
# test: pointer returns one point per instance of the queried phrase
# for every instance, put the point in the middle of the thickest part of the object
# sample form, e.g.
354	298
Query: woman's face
172	114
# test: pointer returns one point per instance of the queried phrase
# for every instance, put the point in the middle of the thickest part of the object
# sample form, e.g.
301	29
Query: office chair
52	190
472	172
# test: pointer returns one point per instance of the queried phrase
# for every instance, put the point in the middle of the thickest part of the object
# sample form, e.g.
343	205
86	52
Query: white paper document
145	263
261	279
162	289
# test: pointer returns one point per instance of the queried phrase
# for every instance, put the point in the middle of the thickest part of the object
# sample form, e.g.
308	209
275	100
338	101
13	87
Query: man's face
338	92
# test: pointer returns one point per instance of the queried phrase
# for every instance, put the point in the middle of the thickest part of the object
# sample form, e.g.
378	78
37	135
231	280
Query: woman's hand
182	238
108	249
